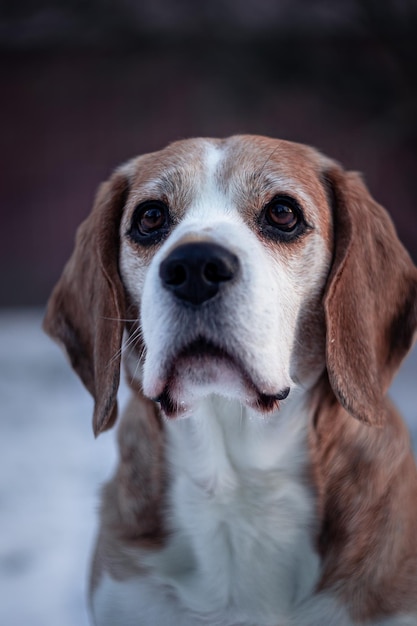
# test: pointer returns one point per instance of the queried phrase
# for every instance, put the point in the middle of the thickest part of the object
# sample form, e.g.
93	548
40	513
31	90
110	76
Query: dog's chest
241	518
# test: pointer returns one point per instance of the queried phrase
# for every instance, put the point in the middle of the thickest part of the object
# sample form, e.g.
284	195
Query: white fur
141	602
234	504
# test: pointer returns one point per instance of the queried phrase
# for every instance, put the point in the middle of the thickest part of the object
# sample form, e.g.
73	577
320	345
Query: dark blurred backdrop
86	84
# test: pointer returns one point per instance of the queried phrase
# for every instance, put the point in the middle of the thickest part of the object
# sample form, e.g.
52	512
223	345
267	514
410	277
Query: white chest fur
242	513
241	517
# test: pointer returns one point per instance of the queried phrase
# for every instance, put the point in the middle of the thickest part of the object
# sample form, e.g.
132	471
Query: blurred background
87	84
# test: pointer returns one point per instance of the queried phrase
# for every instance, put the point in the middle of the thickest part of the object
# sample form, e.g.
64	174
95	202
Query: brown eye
150	222
151	218
282	219
281	213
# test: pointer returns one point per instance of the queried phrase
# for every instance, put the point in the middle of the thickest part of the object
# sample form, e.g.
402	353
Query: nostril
176	274
210	272
217	272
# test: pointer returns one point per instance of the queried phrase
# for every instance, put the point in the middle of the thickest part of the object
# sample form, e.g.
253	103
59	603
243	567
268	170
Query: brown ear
86	308
370	301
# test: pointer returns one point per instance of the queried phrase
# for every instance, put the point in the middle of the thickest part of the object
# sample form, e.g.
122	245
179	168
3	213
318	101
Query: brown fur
366	476
367	498
372	285
86	310
131	513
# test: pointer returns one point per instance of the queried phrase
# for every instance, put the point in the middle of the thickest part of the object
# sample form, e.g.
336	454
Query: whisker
137	334
119	319
139	363
132	339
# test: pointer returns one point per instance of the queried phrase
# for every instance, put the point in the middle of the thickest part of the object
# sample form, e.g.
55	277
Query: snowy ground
51	470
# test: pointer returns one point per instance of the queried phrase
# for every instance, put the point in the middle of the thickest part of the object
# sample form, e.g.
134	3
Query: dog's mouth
202	367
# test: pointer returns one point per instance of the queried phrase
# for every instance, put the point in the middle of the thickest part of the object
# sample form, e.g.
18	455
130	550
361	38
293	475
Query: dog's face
242	267
225	250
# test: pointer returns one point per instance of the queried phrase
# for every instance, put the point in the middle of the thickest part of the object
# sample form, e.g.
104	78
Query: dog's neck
222	440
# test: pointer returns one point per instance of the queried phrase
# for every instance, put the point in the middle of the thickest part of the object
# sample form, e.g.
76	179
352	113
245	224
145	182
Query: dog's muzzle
196	272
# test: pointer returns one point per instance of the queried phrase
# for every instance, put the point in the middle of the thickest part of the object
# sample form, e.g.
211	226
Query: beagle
262	303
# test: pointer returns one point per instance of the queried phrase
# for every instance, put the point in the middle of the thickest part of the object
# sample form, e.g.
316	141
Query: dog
262	302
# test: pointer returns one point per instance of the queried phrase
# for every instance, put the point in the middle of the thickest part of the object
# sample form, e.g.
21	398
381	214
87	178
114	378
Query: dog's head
240	267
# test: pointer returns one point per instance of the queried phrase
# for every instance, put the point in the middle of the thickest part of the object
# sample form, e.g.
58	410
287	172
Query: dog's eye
282	219
150	222
151	217
281	213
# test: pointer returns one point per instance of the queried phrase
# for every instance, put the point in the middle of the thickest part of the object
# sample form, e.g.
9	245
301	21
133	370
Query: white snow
51	471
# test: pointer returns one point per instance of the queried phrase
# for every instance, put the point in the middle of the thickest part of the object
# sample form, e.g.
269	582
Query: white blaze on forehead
211	211
210	201
213	155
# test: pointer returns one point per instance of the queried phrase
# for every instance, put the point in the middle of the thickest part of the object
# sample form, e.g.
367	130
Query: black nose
194	272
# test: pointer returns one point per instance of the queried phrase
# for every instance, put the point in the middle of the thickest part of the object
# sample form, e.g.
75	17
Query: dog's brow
173	183
259	184
262	182
169	182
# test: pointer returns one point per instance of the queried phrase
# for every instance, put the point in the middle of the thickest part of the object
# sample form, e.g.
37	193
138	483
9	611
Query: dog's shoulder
366	482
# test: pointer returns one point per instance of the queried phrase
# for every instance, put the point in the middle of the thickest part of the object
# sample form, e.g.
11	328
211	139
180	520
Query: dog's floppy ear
370	300
86	309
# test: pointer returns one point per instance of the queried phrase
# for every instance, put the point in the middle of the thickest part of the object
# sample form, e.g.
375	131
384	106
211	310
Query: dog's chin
202	369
